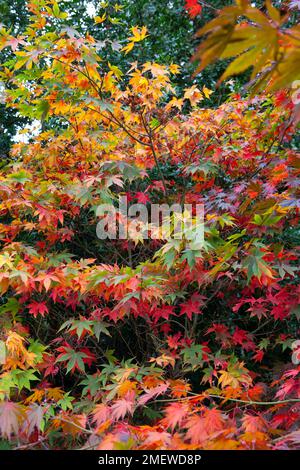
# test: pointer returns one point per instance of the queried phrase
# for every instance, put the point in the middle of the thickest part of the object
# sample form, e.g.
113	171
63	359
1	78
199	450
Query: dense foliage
171	41
146	344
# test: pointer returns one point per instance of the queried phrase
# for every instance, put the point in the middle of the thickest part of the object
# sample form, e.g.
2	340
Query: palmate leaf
121	408
78	326
221	30
100	414
193	356
254	43
66	402
100	327
83	326
11	415
175	414
206	167
256	266
129	171
92	384
109	136
34	418
200	427
22	378
12	306
73	359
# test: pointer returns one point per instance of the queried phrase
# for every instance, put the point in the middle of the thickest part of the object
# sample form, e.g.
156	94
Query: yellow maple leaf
174	68
14	343
227	379
100	19
125	387
206	91
55	393
36	396
193	94
115	70
138	34
17	354
138	80
174	103
128	47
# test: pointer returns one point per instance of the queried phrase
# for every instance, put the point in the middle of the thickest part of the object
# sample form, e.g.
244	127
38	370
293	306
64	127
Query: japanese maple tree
133	343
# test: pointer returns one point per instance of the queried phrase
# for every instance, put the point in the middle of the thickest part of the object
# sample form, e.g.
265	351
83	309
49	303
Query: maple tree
146	344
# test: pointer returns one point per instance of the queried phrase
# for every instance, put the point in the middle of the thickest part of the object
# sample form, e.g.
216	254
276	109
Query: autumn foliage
145	344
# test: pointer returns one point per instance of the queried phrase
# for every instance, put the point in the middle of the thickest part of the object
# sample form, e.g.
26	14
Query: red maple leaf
48	365
174	341
122	407
200	427
222	333
163	312
37	308
100	414
193	8
90	356
175	414
258	356
153	393
190	307
243	338
142	198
